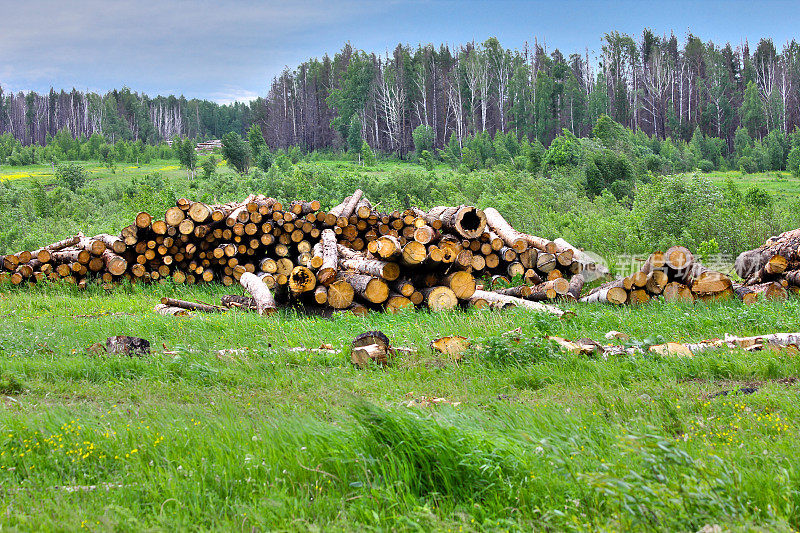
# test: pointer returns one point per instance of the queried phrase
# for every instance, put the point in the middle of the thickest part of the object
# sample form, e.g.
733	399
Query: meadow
517	436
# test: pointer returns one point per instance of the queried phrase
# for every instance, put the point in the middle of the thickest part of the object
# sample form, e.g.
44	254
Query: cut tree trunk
191	306
511	237
265	302
501	299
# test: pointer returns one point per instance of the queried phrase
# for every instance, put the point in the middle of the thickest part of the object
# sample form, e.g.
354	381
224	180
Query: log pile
773	269
351	257
673	275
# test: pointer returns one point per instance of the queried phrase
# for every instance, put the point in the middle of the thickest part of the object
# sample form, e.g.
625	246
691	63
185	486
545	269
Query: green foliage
256	141
793	161
423	137
209	167
752	112
264	160
747	165
10	384
185	152
564	151
354	139
705	165
505	351
708	248
426	160
236	152
607	169
612	134
71	175
367	155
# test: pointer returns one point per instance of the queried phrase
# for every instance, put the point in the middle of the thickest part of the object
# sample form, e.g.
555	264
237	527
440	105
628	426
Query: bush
265	159
705	165
426	160
565	150
747	165
71	175
423	138
793	162
209	167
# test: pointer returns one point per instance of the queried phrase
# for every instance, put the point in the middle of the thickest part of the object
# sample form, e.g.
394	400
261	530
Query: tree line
649	83
119	115
652	84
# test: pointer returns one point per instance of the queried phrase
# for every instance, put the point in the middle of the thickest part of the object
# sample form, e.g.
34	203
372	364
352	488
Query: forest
649	83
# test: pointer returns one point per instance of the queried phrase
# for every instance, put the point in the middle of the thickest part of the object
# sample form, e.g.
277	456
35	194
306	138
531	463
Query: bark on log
511	237
494	298
265	302
371	288
192	306
162	309
330	258
467	221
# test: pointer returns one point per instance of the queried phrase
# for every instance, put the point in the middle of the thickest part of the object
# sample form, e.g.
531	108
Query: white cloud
203	47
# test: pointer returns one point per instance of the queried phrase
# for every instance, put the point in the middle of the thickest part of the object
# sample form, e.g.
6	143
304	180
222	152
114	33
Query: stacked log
346	258
674	275
772	270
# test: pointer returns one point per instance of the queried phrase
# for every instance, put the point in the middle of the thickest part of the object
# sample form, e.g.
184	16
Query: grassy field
517	436
779	183
525	437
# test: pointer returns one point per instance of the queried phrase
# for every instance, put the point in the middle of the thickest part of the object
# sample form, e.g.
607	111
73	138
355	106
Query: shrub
747	165
423	138
209	167
426	160
565	150
705	165
71	175
793	161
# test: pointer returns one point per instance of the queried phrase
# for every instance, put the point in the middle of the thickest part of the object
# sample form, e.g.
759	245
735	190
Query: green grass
99	174
779	183
529	438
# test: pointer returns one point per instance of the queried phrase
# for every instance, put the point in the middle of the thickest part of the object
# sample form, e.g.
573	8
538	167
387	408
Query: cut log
679	261
462	283
468	221
162	309
612	292
775	265
340	293
511	237
372	267
520	291
239	302
770	291
575	286
439	298
501	299
330	258
397	302
302	280
191	306
745	294
115	244
265	302
371	347
675	291
656	280
455	346
346	208
370	288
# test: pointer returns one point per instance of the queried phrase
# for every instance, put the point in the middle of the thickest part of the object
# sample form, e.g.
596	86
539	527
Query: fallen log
192	306
265	302
494	298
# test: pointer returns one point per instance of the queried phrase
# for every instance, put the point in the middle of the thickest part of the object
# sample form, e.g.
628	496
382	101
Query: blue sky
228	50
